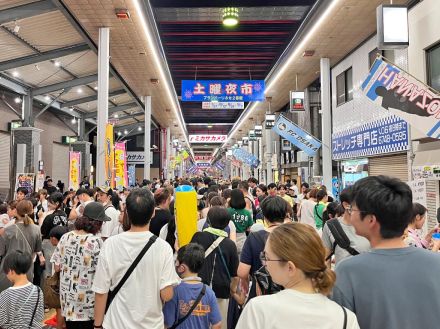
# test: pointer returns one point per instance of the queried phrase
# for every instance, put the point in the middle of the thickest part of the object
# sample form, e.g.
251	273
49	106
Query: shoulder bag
341	239
112	293
194	305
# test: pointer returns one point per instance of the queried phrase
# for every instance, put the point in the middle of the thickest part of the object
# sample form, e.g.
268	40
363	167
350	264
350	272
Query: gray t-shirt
391	288
356	241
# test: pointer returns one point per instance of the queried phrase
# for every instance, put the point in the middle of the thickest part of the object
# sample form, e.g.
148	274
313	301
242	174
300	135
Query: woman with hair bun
295	258
22	236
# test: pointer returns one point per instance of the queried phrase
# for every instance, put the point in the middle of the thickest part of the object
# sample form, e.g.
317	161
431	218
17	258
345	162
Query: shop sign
202	158
296	101
223	105
386	135
109	156
405	96
74	169
426	172
297	136
203	164
120	165
137	157
222	90
246	157
207	138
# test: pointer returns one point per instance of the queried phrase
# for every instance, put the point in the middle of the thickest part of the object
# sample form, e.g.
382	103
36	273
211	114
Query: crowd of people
275	256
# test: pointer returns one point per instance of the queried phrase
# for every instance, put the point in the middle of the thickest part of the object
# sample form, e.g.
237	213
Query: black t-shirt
57	218
252	248
160	219
220	280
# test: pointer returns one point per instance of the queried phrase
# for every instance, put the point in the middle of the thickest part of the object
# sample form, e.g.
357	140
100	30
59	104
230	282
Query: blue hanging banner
222	90
298	137
246	157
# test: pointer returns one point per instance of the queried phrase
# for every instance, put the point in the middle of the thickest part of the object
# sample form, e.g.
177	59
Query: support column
81	128
147	141
261	157
30	137
326	123
27	110
168	146
102	117
269	171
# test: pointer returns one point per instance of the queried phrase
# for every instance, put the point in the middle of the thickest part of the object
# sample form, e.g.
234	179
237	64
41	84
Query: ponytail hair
25	211
300	244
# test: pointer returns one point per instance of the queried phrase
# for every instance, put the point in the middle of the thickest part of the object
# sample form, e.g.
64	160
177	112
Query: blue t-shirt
204	315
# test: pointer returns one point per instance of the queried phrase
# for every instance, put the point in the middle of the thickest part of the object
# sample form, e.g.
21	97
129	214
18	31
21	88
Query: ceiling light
125	132
71	109
96	87
47	98
139	128
119	133
79	90
15	74
17	100
230	16
73	120
115	116
209	126
57	63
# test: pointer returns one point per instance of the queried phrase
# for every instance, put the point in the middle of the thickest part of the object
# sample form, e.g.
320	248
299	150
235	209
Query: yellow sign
74	169
109	156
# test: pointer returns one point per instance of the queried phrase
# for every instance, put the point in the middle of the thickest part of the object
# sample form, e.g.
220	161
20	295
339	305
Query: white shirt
307	215
137	304
82	206
108	227
291	309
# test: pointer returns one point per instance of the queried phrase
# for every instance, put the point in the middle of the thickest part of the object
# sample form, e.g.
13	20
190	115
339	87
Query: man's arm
166	294
100	303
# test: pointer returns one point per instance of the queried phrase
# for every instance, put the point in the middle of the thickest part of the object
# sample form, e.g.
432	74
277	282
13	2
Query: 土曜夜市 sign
222	90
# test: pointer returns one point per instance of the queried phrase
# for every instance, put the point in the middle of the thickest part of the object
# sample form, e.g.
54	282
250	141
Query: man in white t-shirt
138	304
82	198
104	195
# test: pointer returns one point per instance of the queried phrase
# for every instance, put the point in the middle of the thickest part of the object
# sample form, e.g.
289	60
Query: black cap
95	211
82	191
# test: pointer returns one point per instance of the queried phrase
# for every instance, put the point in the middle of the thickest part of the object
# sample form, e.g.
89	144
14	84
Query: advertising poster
403	95
26	181
131	175
109	157
120	166
39	182
74	169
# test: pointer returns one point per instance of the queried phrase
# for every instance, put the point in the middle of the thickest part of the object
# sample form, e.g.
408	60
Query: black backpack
341	239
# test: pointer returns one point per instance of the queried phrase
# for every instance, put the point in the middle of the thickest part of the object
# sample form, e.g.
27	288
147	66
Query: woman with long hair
23	236
76	258
295	259
241	217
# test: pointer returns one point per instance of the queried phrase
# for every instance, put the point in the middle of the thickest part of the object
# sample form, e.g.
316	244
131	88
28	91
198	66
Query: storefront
375	148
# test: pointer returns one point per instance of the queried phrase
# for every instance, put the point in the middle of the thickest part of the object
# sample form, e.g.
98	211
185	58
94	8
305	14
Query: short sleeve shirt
252	248
204	315
78	257
242	219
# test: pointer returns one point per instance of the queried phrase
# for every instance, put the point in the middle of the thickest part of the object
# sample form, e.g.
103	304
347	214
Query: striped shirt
17	305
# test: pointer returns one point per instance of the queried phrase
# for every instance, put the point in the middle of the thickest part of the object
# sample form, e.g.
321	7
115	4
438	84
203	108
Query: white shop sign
137	157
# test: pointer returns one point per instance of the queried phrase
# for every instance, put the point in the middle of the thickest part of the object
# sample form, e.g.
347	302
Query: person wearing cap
82	198
76	258
104	195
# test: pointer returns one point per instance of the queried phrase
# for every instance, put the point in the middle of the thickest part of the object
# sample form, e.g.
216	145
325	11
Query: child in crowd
21	306
206	314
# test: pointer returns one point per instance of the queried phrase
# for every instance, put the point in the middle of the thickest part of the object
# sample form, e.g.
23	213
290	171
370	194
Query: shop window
344	87
433	69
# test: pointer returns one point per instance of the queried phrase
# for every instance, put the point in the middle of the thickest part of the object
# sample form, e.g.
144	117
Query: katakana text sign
207	139
381	136
222	90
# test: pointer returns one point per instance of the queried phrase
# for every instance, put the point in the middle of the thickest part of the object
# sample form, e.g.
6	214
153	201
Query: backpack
341	239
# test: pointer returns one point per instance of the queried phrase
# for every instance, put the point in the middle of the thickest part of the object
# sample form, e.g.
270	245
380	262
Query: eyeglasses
350	210
264	259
